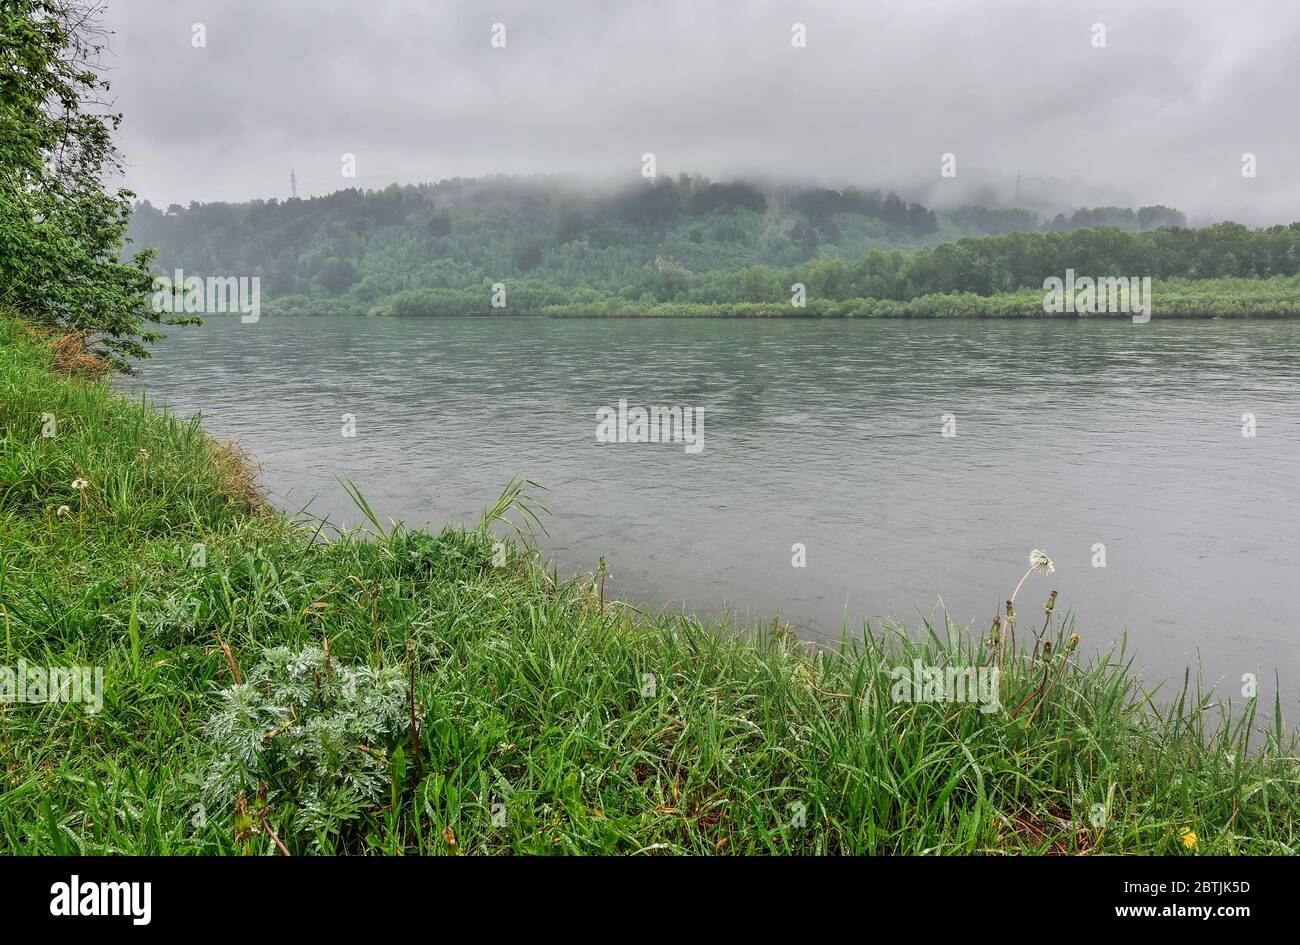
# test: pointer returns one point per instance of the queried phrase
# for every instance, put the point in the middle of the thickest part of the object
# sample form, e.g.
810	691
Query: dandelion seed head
1039	561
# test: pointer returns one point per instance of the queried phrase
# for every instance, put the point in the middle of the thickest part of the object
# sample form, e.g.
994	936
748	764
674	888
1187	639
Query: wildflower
63	510
1038	561
1188	838
144	453
1074	641
81	484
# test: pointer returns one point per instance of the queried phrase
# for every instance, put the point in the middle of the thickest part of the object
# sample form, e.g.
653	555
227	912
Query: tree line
686	238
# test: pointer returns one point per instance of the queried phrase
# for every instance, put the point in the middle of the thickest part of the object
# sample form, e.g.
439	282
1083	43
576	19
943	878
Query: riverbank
444	693
1168	298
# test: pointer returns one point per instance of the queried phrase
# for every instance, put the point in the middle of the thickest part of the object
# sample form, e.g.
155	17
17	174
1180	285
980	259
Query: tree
337	275
759	284
62	231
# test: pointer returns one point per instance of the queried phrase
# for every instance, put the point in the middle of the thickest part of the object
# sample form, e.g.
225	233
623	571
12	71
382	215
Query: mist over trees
683	238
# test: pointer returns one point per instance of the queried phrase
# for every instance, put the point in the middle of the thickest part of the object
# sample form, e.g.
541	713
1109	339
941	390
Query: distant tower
293	184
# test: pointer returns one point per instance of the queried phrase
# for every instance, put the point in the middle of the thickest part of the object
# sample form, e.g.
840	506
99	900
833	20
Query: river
1063	435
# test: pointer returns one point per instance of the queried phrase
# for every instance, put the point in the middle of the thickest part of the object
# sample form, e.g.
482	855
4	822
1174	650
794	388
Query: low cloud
1161	114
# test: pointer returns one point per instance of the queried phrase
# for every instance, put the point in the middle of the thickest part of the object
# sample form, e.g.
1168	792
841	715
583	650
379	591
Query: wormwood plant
314	740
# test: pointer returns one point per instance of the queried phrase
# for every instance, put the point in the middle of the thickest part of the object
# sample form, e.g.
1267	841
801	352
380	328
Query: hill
656	241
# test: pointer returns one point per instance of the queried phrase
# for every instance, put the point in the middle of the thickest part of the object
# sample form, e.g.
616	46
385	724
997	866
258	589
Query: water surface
1069	434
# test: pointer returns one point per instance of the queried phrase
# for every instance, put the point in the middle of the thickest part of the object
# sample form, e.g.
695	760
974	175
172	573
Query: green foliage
461	234
318	733
1276	297
61	233
684	244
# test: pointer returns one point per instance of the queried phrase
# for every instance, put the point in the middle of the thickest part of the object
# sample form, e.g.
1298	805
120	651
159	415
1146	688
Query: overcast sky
1161	114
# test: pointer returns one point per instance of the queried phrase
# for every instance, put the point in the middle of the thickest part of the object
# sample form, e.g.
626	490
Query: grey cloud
1161	115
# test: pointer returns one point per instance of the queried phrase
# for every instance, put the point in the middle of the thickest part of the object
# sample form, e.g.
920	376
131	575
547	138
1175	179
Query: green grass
536	731
1276	297
1171	297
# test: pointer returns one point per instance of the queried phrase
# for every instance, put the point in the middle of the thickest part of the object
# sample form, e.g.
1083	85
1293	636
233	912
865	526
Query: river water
830	435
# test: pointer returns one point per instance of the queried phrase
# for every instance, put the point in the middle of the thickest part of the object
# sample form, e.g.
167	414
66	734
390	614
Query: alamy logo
1110	294
103	899
26	683
215	295
920	683
651	425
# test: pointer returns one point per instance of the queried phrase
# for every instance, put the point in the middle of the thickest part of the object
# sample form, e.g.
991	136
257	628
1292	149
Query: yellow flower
1188	838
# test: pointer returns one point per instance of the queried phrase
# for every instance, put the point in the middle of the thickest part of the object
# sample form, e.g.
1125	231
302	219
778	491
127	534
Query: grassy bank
1172	297
1278	297
266	690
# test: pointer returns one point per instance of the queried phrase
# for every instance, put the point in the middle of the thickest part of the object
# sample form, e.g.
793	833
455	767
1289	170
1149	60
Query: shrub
320	737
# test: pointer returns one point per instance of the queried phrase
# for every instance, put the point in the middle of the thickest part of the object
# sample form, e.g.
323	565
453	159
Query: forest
675	245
